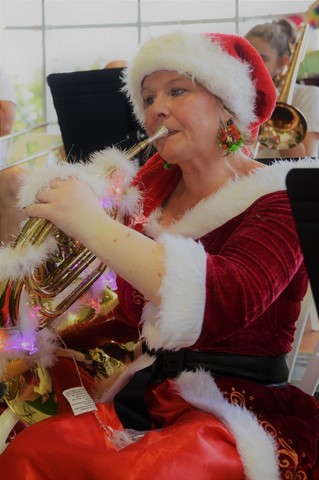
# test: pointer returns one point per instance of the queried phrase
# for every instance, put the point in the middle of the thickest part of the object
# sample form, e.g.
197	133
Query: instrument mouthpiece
161	132
144	143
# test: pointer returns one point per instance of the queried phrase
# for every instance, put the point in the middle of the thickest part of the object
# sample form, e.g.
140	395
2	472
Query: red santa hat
227	65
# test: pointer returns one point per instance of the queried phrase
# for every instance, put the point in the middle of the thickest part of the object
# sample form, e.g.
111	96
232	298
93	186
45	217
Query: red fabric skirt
190	444
187	443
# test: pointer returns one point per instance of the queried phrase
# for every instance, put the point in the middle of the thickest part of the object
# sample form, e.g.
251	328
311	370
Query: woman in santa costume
209	268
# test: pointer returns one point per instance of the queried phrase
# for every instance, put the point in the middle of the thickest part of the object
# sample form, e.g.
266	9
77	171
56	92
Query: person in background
209	270
274	42
116	64
8	102
10	178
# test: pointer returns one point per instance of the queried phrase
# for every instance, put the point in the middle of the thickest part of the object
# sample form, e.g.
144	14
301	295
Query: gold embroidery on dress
238	398
287	457
137	297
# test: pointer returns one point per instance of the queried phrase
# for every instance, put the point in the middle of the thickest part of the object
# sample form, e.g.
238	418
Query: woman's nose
160	107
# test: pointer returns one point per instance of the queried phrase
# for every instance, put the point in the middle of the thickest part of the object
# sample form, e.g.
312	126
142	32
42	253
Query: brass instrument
47	283
34	400
287	126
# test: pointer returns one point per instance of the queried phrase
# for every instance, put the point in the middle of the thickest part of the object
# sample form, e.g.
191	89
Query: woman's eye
148	100
176	92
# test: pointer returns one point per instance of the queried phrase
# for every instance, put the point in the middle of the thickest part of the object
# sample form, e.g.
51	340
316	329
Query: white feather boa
109	172
106	171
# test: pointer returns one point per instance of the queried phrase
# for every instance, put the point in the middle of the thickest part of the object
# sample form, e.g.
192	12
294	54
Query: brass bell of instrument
287	126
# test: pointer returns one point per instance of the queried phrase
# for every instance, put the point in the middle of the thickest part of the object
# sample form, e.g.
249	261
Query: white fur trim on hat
195	55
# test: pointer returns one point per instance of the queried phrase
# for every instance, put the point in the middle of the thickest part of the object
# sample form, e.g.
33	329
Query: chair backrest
302	186
92	111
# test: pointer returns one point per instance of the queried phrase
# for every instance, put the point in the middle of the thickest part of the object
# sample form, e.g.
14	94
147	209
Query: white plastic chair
310	379
314	319
306	305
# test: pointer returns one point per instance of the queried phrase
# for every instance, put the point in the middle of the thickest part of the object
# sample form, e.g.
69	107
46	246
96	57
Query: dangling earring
229	137
167	166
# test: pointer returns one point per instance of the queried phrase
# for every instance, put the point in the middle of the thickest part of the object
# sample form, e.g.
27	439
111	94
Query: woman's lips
171	132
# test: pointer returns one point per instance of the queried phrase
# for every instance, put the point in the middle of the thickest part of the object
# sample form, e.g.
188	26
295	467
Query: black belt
271	371
129	402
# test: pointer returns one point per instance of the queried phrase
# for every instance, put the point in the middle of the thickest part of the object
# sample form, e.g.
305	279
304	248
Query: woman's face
269	55
189	111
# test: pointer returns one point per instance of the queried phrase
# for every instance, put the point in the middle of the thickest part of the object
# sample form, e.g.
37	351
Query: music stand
92	112
303	191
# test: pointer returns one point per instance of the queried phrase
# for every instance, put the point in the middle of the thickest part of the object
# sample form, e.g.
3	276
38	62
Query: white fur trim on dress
230	201
255	446
177	321
109	173
203	60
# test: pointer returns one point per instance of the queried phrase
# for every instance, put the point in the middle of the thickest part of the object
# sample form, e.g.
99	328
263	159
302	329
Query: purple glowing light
14	340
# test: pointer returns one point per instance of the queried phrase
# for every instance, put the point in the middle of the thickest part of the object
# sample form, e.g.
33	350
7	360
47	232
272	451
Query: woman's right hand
71	205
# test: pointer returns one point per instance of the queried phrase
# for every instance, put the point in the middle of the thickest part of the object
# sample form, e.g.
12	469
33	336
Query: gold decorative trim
288	458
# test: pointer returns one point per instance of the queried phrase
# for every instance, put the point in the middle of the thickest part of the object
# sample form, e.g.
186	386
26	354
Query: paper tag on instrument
80	400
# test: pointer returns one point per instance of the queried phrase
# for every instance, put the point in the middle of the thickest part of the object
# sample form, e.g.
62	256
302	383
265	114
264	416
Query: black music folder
93	112
303	191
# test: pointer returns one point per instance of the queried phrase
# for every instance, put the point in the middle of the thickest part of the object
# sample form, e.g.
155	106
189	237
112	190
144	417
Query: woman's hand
75	208
71	205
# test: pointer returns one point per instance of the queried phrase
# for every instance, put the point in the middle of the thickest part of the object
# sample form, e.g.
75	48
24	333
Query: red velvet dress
233	283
